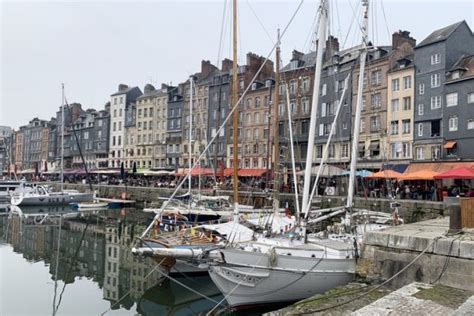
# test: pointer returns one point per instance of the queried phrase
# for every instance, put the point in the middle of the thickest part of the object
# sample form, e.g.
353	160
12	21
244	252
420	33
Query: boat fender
273	258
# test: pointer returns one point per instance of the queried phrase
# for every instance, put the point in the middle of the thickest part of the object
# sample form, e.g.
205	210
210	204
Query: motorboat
39	195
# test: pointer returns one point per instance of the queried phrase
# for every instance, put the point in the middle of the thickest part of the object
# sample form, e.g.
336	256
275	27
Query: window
436	102
452	99
293	107
319	151
145	112
435	128
257	102
470	97
435	80
120	112
323	110
362	125
395	105
394	128
421	88
395	150
305	103
115	111
321	129
470	124
139	112
407	82
406	150
407	104
376	100
435	152
420	155
376	77
345	150
293	86
453	124
256	118
420	129
331	151
406	126
306	84
248	103
304	127
421	109
374	123
435	59
114	126
324	89
282	88
395	84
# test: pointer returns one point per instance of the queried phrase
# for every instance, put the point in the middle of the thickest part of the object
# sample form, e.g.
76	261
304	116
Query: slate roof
465	63
124	91
440	35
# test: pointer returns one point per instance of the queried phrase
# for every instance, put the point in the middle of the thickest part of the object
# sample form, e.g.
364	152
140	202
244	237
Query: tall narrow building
122	103
401	98
434	57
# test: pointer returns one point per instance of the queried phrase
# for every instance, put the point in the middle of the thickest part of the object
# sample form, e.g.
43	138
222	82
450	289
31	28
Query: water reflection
97	246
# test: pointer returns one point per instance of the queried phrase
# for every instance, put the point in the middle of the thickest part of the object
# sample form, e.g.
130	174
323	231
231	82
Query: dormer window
294	64
254	86
456	74
268	84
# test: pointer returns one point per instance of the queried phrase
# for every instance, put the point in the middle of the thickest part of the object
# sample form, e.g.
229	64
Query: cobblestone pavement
421	299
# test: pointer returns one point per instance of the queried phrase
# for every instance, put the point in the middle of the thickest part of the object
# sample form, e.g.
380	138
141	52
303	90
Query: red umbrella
458	173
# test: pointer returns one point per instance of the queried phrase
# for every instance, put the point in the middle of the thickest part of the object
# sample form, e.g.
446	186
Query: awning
359	173
418	175
27	171
374	146
195	172
251	172
458	173
228	172
158	173
449	144
439	166
327	171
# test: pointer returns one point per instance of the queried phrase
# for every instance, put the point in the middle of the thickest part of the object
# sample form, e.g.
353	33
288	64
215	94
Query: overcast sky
93	46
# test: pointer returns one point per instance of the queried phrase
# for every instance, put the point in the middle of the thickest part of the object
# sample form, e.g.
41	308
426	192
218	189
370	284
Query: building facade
434	56
122	107
458	121
401	98
174	131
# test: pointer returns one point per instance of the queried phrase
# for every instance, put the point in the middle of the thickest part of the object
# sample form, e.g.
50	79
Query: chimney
401	37
122	87
296	55
148	89
207	68
226	65
332	44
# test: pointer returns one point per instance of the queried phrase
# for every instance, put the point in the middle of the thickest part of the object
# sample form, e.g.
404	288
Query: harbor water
57	261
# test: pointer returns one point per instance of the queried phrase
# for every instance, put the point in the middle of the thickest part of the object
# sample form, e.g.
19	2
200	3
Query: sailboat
40	195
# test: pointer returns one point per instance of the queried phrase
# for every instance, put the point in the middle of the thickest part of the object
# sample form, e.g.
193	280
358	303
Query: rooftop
440	35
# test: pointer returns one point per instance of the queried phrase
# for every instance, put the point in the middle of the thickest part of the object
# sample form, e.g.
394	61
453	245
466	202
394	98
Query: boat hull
250	278
53	199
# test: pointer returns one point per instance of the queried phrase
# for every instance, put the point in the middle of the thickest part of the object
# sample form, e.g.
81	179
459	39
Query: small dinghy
89	206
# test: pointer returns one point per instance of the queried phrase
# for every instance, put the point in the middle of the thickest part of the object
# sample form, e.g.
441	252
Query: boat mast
62	138
190	135
360	88
321	43
234	100
276	133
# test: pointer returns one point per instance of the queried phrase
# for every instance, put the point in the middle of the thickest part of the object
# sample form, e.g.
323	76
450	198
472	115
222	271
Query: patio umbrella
36	169
458	173
134	170
359	173
385	174
45	166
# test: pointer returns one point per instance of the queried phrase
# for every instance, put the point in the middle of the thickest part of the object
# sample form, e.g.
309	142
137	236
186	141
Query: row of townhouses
417	104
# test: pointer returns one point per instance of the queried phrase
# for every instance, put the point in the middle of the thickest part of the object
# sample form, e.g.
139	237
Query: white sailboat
39	195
